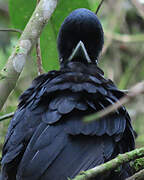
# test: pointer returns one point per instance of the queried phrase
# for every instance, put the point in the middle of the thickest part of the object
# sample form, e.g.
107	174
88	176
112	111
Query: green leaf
20	12
94	4
49	49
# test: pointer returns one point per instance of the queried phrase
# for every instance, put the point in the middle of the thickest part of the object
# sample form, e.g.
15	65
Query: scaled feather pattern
47	138
47	134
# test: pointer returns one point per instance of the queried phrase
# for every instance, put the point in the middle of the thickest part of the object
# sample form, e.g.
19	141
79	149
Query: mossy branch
10	73
137	176
110	165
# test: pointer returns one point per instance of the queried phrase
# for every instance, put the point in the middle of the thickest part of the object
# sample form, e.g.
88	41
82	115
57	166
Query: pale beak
80	52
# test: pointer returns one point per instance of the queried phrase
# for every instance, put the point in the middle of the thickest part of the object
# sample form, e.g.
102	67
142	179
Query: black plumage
47	138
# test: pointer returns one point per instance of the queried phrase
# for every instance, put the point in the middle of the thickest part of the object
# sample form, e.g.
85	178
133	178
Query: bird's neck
77	66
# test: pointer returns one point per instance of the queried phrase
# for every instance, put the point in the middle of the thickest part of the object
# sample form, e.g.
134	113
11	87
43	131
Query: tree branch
139	6
126	38
137	176
11	30
10	73
39	58
133	92
110	165
6	116
115	16
99	6
38	53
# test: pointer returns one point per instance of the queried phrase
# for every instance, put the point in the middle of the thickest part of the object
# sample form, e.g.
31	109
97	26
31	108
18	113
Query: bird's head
81	37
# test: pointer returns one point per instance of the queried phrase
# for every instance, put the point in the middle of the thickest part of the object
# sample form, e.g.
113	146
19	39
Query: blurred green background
122	58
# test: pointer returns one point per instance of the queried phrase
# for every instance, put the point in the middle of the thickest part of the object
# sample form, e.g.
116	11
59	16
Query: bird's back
47	138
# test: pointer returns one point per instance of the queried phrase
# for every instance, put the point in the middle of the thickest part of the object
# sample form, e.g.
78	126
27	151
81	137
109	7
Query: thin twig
6	116
99	6
126	91
133	92
14	66
126	38
110	165
39	58
38	53
116	15
11	30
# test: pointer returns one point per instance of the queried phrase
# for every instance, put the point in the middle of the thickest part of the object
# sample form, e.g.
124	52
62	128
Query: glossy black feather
47	138
83	25
47	129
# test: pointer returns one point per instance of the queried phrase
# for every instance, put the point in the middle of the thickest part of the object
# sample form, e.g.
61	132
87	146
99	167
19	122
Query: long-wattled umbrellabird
47	138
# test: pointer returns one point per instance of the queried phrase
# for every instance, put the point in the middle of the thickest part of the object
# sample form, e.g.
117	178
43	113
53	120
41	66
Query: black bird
47	139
